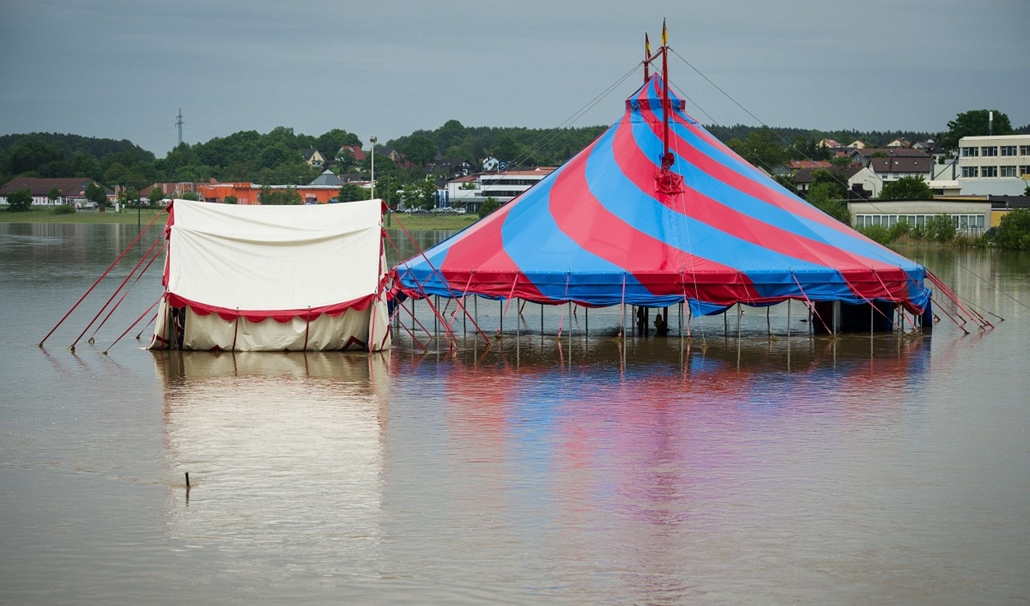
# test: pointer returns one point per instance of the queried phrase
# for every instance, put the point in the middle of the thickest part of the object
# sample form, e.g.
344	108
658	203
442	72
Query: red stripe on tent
480	253
746	185
279	315
731	177
727	219
656	265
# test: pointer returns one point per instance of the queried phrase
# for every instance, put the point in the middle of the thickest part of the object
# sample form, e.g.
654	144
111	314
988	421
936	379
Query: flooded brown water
714	470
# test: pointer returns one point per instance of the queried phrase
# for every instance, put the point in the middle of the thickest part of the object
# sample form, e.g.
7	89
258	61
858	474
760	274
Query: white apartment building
471	191
994	165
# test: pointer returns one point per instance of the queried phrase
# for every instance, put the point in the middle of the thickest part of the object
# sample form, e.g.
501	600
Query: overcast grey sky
123	68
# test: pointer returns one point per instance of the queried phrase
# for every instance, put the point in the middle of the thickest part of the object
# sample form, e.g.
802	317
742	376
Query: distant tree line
276	157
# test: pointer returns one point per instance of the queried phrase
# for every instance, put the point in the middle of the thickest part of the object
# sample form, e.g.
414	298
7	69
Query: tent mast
667	158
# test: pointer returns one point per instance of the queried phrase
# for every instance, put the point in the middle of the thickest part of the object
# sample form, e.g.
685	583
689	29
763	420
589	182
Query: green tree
53	194
940	228
488	206
278	154
907	188
877	233
279	197
19	201
386	189
1014	230
834	179
191	195
788	183
351	193
759	149
115	174
156	195
330	142
31	153
420	149
420	194
96	194
823	196
230	199
974	123
345	161
507	149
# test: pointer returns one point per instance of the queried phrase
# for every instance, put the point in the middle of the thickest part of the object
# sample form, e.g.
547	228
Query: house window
989	151
1008	150
1024	150
969	152
989	171
1024	170
969	171
1008	171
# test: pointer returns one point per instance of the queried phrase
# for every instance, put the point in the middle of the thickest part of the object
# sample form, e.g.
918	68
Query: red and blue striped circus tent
613	226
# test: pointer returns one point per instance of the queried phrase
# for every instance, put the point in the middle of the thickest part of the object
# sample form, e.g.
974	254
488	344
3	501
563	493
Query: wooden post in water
570	334
518	325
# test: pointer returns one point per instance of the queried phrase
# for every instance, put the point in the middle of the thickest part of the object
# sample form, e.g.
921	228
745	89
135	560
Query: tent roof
273	261
610	226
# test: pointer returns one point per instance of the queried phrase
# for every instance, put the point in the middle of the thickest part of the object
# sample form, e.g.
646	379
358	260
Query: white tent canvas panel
252	278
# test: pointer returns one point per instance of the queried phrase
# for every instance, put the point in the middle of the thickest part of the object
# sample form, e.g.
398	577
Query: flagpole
647	58
666	158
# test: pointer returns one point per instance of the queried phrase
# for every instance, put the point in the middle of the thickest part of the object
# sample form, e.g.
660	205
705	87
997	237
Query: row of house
996	165
70	190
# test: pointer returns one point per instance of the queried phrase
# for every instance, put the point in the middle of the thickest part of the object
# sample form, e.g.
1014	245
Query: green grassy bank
416	222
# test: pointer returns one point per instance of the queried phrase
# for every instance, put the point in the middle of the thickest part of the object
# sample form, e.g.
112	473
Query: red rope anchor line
100	279
115	293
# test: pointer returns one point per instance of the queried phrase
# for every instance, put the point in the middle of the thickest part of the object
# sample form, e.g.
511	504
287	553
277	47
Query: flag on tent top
611	226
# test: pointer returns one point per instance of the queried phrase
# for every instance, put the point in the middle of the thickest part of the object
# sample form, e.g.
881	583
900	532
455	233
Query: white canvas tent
273	278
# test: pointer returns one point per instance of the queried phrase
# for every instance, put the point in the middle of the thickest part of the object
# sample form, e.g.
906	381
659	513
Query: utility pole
178	122
373	177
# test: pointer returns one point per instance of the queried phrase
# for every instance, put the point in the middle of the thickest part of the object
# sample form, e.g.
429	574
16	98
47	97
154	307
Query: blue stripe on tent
623	198
701	181
590	278
744	203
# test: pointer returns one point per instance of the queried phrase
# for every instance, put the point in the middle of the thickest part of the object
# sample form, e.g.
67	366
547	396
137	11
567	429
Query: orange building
247	193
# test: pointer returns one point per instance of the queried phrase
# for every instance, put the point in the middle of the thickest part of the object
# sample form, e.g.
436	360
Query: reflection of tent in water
273	278
658	212
285	454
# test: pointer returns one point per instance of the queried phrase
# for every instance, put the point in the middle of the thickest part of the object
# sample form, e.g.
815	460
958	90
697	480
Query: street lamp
373	140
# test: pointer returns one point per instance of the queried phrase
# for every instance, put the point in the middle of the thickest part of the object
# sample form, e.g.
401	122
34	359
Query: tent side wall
274	279
351	330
